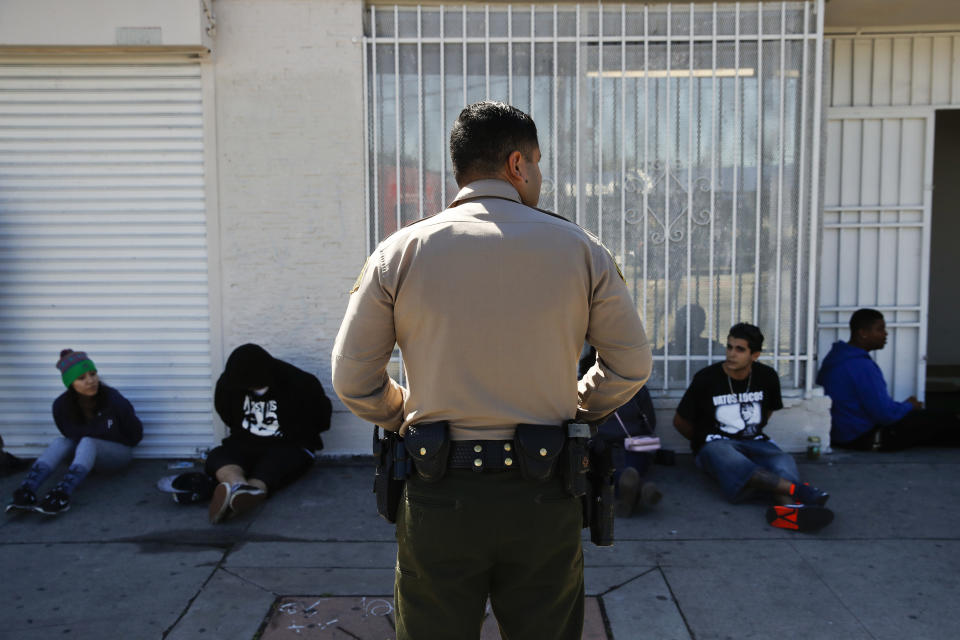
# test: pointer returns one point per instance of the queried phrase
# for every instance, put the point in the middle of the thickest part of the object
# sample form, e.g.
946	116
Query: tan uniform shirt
490	302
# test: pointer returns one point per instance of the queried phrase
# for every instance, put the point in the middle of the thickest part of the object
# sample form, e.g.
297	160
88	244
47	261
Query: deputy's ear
514	164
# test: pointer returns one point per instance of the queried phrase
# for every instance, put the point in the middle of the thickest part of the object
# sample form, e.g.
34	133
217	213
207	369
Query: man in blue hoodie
863	414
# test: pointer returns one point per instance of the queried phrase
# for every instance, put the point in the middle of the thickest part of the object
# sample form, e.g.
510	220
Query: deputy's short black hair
484	136
748	332
864	319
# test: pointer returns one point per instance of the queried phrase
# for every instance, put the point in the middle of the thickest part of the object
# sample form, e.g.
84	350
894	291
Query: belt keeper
578	430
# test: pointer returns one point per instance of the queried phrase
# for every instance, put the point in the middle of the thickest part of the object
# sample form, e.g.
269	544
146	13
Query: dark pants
277	464
921	427
474	535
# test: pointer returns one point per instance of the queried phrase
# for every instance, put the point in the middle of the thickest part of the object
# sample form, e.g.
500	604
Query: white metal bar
366	150
897	258
443	114
509	54
925	260
668	137
877	207
874	225
576	116
757	228
690	165
396	98
879	113
376	133
738	157
800	199
890	325
464	27
814	200
420	114
599	186
859	230
714	152
533	51
623	138
879	307
646	153
681	39
486	47
780	161
556	120
764	354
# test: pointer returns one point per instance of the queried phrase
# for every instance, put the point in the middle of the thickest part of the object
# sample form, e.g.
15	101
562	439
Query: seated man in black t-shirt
723	413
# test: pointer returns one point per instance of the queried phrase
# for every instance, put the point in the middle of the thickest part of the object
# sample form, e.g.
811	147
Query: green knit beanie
73	364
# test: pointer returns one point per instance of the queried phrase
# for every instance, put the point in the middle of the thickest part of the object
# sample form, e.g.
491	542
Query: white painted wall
38	23
290	160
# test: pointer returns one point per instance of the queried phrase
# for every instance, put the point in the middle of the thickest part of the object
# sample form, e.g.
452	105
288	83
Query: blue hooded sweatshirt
856	386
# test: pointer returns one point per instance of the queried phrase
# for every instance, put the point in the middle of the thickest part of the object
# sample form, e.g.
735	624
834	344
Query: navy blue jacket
115	419
859	393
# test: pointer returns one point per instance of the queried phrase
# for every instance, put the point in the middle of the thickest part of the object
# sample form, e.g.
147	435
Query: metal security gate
103	243
884	92
682	135
876	233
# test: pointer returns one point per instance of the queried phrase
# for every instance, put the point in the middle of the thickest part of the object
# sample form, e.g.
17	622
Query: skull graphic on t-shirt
260	417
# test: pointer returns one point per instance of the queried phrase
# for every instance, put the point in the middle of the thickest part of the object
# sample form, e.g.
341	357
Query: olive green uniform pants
473	535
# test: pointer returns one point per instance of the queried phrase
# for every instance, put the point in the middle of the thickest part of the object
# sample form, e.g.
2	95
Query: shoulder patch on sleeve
356	285
614	259
616	264
609	253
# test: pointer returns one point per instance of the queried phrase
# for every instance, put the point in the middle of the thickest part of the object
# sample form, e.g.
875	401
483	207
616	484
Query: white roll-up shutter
103	245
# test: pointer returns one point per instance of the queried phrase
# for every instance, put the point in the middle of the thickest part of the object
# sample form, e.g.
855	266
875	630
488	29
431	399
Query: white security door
876	233
103	244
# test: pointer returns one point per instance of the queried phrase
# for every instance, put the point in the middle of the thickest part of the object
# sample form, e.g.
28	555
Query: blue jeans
91	453
732	463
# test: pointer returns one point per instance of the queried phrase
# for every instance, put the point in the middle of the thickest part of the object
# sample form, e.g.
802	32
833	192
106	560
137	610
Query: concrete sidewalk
126	562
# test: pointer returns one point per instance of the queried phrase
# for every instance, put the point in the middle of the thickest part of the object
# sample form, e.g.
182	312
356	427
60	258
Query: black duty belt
483	455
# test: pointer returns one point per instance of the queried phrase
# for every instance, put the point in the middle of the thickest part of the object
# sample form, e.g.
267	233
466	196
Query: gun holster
390	456
576	459
598	503
428	445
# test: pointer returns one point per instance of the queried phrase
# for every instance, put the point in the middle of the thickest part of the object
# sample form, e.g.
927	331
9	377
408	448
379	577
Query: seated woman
99	427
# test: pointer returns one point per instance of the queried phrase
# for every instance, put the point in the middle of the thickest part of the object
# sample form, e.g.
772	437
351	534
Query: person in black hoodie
275	413
99	430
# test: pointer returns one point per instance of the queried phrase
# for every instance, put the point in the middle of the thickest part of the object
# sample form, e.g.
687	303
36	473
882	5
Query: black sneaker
809	494
189	487
244	497
23	500
57	501
799	517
